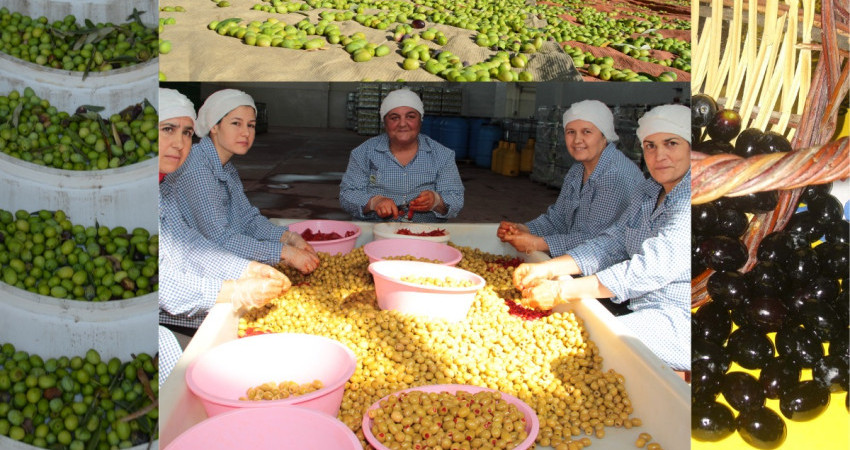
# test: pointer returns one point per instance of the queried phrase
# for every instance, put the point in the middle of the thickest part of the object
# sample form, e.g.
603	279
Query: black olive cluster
797	289
713	129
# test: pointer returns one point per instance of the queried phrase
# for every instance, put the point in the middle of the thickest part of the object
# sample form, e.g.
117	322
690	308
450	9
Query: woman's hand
260	270
528	275
526	242
384	207
295	240
546	294
302	260
425	201
248	293
507	229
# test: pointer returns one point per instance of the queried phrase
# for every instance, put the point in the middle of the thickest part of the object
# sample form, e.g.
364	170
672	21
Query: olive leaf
94	109
16	114
136	16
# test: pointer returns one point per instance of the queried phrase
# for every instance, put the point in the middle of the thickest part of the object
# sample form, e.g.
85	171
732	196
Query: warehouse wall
610	93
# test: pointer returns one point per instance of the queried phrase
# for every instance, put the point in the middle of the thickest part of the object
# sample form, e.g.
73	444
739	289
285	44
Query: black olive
742	391
713	323
804	226
696	135
778	375
838	232
711	422
715	354
765	313
802	266
826	209
839	344
761	428
703	108
732	223
697	264
766	278
418	23
799	345
723	253
775	247
750	348
706	381
728	288
703	218
804	402
746	144
773	142
713	147
757	202
814	191
831	372
821	319
834	259
725	125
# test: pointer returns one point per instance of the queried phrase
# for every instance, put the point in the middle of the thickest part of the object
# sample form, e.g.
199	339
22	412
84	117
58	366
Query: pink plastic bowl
450	304
532	425
385	248
336	246
224	373
268	429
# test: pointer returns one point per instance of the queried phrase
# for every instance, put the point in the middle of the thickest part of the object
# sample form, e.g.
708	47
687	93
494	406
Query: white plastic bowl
446	303
334	246
389	230
268	429
224	373
532	424
388	248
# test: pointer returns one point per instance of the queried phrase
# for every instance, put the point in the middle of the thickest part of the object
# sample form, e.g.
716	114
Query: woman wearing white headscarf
194	273
402	173
594	193
645	257
212	198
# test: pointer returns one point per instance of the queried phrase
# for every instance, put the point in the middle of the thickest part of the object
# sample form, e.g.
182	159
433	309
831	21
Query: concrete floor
295	173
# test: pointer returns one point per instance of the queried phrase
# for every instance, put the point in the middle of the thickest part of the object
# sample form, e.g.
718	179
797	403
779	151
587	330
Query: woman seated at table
195	274
644	258
594	193
212	198
402	173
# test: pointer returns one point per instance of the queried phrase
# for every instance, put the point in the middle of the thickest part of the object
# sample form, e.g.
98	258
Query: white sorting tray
659	397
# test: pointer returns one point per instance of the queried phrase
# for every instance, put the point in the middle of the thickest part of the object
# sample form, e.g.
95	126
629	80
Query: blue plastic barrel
474	131
454	134
488	138
428	127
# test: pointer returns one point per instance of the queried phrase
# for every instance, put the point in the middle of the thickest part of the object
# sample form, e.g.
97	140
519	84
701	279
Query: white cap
595	112
674	119
401	97
218	105
174	104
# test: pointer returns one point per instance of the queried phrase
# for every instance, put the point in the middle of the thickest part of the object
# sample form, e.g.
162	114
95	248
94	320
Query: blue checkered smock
373	170
212	200
169	353
191	268
646	258
582	212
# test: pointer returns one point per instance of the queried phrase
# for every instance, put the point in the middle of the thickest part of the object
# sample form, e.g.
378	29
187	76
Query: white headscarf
218	105
401	97
675	119
595	112
174	104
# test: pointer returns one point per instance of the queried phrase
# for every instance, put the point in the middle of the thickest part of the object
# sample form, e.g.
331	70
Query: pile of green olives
34	131
45	253
67	45
79	402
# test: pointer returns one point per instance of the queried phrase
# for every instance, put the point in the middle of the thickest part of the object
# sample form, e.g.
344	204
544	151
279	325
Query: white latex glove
248	293
527	275
260	270
304	261
295	240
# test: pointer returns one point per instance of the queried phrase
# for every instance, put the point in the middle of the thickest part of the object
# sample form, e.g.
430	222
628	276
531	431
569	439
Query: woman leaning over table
402	168
644	258
594	192
212	198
